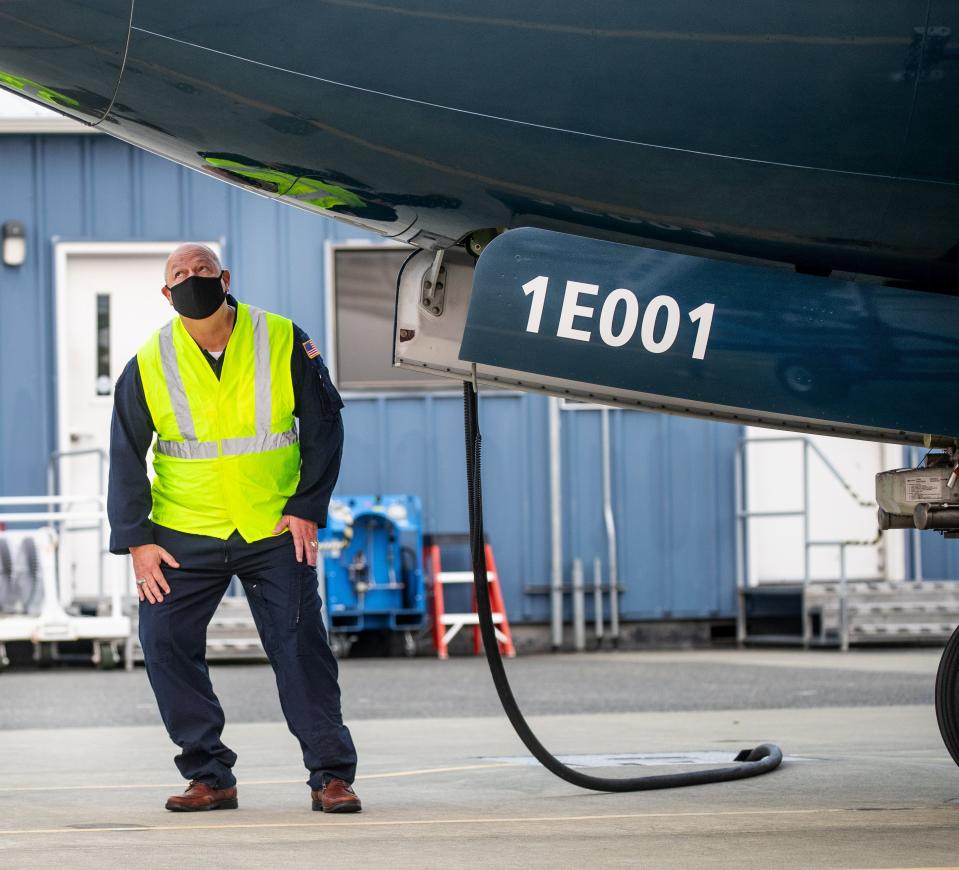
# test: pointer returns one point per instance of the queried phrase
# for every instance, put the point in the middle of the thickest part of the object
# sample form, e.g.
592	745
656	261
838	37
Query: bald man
248	445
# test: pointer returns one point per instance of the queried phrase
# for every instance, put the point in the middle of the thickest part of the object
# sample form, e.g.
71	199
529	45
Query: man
238	490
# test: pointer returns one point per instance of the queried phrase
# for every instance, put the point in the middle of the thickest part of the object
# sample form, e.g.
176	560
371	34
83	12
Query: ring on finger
141	581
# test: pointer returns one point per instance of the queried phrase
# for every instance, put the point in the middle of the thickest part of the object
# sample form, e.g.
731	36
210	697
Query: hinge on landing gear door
433	292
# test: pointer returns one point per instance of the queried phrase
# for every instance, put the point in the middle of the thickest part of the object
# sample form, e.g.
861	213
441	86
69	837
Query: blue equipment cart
374	583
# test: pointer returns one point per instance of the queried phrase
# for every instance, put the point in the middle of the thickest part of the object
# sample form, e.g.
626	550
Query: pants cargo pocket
307	622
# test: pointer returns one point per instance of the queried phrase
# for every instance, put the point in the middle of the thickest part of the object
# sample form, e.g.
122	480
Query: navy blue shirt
316	405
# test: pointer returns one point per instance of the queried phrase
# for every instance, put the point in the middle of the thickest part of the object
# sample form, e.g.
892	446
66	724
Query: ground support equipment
371	568
30	603
447	624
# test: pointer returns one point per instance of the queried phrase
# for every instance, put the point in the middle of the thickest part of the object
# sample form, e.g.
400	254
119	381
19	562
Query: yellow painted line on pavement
363	823
144	785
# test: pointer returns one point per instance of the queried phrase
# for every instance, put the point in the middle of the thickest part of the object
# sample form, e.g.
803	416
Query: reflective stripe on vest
227	455
265	439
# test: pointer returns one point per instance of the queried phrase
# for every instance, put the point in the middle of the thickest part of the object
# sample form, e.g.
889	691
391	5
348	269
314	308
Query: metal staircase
840	611
879	612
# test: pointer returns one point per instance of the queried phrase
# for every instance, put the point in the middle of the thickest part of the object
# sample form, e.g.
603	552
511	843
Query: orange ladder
447	625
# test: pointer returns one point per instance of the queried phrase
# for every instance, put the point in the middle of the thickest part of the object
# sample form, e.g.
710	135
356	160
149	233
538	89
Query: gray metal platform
877	612
882	611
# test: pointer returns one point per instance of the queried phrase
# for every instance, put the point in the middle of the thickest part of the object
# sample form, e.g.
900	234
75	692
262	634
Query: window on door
104	383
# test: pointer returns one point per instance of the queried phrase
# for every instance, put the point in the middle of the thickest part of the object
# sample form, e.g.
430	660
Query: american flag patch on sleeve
312	351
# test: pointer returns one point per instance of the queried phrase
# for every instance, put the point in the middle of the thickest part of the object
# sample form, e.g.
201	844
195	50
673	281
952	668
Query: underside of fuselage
818	136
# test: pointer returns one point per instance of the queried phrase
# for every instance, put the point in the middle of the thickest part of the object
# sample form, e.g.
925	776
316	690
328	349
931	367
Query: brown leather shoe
199	796
336	797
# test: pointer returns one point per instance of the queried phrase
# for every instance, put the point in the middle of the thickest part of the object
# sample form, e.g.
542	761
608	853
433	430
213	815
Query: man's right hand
146	566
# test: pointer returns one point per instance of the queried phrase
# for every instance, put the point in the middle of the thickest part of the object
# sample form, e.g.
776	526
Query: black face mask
197	297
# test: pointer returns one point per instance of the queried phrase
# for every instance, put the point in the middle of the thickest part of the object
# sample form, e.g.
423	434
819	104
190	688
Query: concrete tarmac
864	786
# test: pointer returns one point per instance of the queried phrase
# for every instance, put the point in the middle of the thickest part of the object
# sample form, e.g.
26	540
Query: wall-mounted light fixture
14	243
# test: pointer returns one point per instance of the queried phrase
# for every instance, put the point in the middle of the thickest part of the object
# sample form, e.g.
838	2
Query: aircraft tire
947	696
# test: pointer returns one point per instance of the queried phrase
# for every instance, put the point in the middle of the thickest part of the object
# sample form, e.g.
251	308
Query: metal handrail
53	489
55	516
863	502
49	515
843	586
743	515
50	499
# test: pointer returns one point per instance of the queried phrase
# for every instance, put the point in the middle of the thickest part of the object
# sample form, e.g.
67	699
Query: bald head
191	259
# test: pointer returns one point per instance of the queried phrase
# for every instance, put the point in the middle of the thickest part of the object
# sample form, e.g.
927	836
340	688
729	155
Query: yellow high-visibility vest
227	454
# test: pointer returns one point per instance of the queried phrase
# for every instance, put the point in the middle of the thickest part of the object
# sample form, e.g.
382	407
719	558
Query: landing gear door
641	328
431	306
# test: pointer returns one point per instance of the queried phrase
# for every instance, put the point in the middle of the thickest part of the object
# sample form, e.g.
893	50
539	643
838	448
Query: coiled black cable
762	759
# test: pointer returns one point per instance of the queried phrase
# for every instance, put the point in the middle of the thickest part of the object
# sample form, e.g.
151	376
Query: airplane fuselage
818	135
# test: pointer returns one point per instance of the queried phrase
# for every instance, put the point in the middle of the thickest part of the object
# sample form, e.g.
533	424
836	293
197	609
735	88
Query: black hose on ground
762	759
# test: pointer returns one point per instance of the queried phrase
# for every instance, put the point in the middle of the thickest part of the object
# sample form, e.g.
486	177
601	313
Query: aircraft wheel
947	696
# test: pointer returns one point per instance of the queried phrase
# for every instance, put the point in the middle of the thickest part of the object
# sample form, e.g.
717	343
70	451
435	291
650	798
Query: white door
108	304
774	470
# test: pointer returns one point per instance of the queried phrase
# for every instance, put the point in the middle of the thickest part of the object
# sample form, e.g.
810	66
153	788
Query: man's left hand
304	537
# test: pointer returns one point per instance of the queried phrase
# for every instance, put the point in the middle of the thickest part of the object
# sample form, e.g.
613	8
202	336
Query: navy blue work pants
285	602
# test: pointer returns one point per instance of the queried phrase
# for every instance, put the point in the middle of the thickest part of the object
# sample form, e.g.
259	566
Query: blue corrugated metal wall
673	489
97	188
940	558
675	551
